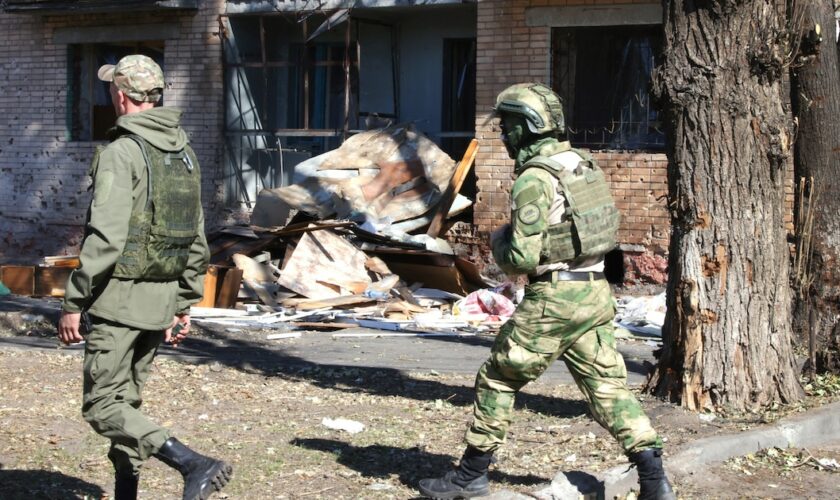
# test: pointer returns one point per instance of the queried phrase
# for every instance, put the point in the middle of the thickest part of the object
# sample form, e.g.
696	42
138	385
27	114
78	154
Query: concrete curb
816	427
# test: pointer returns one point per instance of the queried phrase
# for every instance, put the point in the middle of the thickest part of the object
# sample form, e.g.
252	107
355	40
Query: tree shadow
409	464
37	484
255	357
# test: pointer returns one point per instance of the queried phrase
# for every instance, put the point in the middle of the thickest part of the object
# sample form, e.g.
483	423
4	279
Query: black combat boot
125	485
468	480
202	475
653	485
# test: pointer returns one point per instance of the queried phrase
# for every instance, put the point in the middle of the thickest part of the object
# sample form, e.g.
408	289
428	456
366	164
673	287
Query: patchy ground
267	420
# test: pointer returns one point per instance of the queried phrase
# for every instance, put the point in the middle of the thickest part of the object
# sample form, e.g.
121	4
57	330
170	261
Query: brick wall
510	52
43	175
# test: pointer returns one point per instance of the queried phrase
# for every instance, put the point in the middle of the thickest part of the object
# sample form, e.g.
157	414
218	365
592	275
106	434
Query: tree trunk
727	334
816	98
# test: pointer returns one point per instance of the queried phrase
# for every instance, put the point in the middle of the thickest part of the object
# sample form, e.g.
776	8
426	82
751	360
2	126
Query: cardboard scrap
318	258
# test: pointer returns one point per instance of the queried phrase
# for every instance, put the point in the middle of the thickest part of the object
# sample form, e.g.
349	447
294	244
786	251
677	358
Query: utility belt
554	276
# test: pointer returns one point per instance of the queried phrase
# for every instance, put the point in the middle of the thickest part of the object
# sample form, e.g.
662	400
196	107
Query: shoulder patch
527	195
528	214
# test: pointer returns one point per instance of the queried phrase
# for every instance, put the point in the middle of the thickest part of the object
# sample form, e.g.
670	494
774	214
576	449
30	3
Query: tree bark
816	98
727	333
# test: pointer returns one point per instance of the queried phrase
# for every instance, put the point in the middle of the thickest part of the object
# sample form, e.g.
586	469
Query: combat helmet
537	103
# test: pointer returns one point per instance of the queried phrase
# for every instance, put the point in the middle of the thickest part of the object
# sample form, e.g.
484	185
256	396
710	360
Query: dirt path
265	415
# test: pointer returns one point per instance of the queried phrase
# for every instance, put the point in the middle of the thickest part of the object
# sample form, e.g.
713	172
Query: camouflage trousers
118	360
572	319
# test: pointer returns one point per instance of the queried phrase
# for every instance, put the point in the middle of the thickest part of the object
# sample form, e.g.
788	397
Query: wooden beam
50	281
229	289
19	280
211	283
455	184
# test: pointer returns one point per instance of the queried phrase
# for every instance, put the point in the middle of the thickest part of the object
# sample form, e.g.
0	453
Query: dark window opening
458	116
288	86
90	111
603	75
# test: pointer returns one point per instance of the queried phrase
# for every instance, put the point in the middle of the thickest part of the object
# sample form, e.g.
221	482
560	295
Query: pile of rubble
361	248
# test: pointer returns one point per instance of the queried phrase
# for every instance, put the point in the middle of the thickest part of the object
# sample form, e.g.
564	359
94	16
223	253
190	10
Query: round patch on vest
529	214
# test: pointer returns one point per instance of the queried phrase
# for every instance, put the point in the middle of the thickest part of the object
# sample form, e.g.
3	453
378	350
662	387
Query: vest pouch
168	252
596	230
558	244
134	257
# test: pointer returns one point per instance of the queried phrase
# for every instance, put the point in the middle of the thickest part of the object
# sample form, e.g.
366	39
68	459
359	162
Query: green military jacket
120	185
519	250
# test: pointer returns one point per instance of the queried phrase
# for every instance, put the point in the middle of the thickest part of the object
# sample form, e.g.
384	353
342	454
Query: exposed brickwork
43	181
43	175
511	52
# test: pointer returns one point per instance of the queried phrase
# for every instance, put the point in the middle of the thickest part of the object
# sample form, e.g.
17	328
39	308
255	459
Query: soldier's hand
178	330
68	328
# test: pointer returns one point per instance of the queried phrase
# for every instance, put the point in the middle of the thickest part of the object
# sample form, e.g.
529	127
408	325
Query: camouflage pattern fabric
137	76
572	320
537	103
160	237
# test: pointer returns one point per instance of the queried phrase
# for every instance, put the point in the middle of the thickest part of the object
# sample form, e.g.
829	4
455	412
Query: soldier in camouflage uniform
143	261
563	221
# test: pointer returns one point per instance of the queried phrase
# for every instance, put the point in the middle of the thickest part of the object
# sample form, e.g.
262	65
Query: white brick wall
43	175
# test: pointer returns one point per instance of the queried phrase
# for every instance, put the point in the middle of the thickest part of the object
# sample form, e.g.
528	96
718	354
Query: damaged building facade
267	85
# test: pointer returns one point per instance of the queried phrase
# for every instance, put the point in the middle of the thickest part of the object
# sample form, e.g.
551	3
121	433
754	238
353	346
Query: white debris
642	315
343	424
290	335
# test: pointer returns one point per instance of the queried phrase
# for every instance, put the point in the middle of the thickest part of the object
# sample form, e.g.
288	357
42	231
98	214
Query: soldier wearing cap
563	220
142	265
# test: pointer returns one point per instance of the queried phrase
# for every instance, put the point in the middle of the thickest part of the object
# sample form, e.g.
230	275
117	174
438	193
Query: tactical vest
590	224
161	234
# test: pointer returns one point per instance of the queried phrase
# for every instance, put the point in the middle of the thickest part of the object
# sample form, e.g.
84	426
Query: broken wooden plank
243	246
455	184
50	281
447	278
229	290
62	261
19	280
211	283
340	301
316	325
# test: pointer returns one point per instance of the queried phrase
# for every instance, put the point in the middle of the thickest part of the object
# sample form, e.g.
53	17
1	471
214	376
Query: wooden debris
322	325
19	280
62	261
317	258
455	183
340	301
50	281
211	284
229	289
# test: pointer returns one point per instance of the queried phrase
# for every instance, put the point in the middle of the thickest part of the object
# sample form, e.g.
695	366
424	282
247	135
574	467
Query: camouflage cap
137	76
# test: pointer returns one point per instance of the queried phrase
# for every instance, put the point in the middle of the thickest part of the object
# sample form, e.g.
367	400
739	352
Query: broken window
91	111
287	97
603	75
459	96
